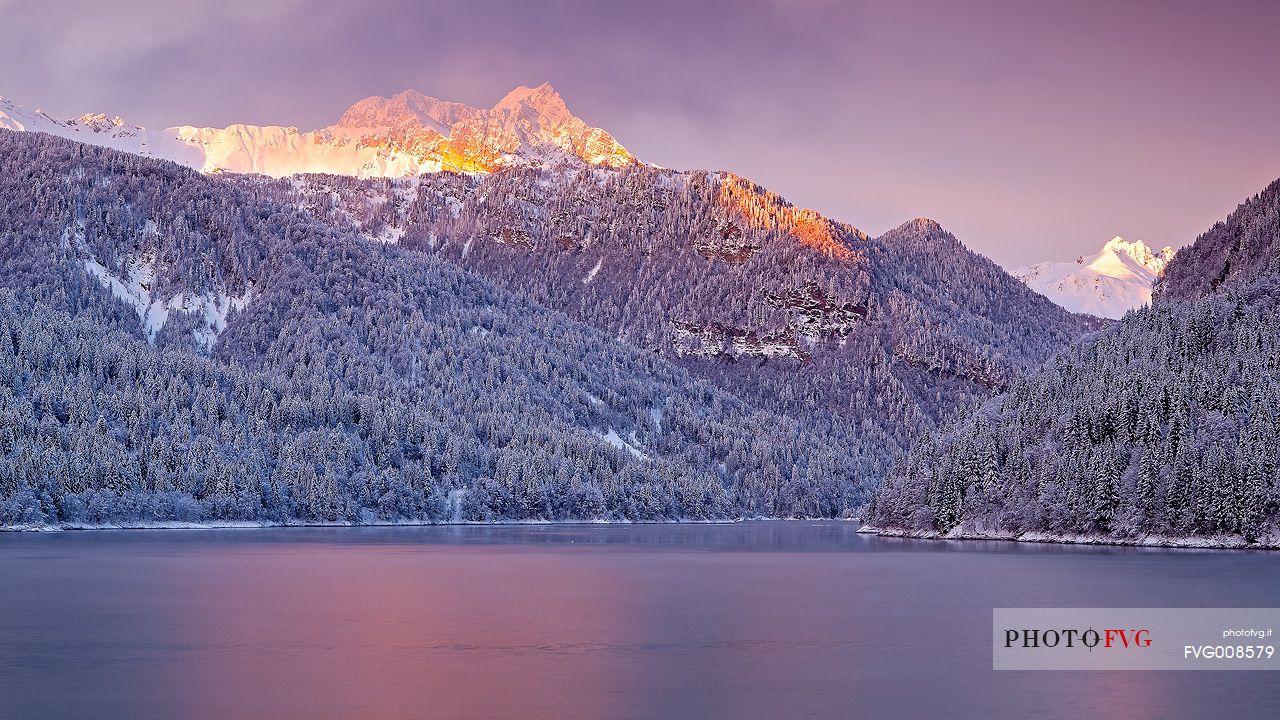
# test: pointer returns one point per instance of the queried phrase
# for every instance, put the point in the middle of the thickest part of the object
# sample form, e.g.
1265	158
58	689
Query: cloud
80	50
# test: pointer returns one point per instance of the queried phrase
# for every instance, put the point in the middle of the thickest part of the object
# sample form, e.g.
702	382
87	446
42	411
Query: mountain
1164	426
1109	283
788	309
777	304
350	381
408	134
778	315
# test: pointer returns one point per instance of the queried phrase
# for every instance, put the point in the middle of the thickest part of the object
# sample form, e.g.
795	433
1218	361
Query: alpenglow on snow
1113	281
408	134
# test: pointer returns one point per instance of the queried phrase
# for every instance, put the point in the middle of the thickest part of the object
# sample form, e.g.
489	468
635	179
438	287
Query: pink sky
1032	130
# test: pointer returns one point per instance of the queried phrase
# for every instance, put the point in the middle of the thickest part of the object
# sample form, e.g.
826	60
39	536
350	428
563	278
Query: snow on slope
408	134
1116	279
614	439
135	290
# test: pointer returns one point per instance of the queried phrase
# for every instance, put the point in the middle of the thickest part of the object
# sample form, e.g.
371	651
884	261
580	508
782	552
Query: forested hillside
1234	251
1165	424
179	346
709	349
787	309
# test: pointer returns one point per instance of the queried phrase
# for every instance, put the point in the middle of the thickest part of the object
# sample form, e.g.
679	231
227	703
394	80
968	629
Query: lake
750	620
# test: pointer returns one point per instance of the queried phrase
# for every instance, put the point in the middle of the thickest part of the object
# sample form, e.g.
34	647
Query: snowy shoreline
257	525
1227	542
1149	541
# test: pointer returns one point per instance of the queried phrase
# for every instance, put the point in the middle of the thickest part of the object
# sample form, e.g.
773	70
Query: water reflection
752	620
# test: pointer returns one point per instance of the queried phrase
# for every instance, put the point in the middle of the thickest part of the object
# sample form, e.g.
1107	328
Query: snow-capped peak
543	96
407	134
1109	283
1137	251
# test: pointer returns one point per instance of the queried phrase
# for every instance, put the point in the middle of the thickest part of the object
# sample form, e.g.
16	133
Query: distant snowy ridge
98	129
405	135
1109	283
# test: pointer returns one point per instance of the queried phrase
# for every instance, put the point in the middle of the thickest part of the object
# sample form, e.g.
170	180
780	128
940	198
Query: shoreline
262	525
1270	543
1226	542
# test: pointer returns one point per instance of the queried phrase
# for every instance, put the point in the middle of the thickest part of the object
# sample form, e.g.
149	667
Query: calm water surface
755	620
